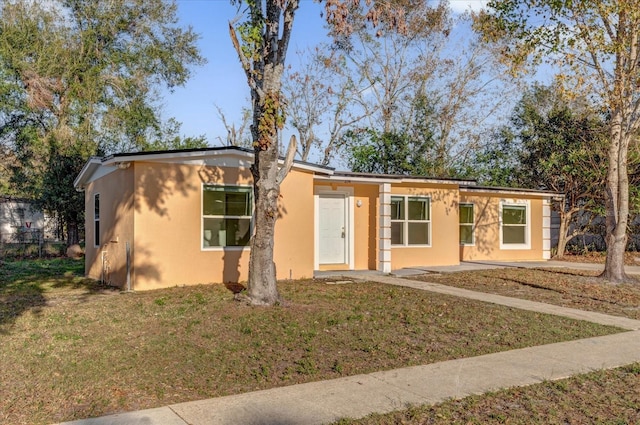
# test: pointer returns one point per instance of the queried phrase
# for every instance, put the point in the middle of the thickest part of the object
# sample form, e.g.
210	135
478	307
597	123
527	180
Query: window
96	219
410	220
515	231
21	213
226	216
466	224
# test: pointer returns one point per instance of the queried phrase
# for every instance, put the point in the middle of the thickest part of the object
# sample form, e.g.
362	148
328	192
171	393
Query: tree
597	46
376	79
80	77
563	149
387	153
318	93
236	135
261	42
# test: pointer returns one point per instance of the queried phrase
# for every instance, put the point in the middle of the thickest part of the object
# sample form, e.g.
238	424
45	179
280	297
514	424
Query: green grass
77	350
603	397
570	288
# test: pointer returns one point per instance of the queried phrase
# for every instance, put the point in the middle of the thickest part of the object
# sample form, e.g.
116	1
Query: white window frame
203	217
405	222
472	224
527	225
96	221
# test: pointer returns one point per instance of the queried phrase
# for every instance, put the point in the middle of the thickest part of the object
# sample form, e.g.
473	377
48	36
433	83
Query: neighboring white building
19	220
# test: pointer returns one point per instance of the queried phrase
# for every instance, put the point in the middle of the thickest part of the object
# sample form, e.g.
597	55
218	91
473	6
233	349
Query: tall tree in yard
261	42
80	77
562	147
596	45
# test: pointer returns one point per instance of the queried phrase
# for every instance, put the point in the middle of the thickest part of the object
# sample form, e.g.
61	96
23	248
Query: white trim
348	194
527	234
202	217
384	228
546	229
405	229
97	235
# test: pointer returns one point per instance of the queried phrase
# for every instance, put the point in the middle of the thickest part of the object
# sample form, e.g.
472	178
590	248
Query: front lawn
71	349
602	397
569	288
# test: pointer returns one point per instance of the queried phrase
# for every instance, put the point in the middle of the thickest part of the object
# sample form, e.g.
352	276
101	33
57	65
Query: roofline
391	178
87	170
511	190
117	159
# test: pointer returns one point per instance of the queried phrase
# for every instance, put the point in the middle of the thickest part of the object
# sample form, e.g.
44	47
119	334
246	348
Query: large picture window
226	216
466	224
410	220
515	229
96	219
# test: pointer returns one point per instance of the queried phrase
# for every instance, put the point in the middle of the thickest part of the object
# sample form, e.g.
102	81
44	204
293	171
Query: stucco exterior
154	203
487	227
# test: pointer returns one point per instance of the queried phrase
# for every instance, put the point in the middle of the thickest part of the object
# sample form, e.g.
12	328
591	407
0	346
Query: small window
514	225
466	224
410	220
226	216
96	219
20	211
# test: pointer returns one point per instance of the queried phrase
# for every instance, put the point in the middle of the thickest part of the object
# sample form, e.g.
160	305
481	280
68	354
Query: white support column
546	229
384	229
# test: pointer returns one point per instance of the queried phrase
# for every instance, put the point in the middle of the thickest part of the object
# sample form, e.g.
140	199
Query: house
159	219
20	220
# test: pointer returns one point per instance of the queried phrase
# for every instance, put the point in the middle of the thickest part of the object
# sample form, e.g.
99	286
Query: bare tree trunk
73	237
262	288
562	233
616	203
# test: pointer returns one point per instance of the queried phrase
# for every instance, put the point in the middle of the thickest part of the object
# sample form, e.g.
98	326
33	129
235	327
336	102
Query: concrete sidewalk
357	396
465	266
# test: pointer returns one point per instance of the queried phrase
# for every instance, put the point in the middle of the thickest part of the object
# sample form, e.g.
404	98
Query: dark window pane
96	232
212	202
397	208
418	209
219	232
237	204
513	214
418	233
513	234
397	233
466	234
466	214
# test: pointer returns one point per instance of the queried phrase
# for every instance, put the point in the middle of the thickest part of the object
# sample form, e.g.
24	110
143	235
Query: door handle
342	233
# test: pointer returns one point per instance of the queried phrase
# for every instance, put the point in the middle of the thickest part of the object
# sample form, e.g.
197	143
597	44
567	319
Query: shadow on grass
25	283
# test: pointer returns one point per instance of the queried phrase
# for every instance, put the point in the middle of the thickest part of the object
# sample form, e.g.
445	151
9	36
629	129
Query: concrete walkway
381	392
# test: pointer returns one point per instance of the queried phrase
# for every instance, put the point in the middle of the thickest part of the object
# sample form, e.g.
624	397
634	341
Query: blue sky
221	81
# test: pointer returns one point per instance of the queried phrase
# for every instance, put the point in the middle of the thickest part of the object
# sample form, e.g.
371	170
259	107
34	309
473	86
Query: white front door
332	229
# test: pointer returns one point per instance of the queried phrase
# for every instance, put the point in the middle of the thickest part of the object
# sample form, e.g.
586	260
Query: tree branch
288	160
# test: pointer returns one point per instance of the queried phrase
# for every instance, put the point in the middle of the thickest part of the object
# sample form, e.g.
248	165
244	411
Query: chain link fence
26	242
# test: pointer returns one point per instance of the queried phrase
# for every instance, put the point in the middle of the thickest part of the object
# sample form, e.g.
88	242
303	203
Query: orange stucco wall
444	228
160	204
487	229
169	236
108	261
